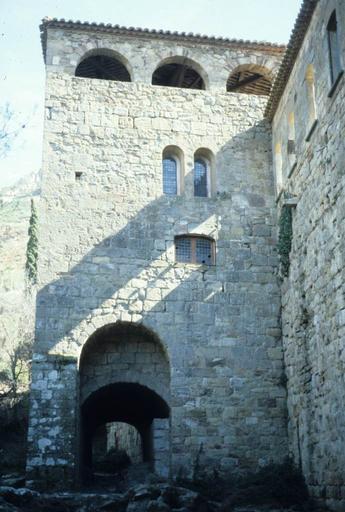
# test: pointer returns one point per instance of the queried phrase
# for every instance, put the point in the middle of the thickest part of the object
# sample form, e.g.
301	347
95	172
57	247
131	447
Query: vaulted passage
124	381
103	67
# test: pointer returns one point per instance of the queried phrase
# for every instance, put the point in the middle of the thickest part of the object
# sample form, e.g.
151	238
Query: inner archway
124	393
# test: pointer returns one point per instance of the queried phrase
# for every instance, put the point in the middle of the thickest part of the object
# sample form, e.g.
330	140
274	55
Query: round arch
250	78
104	64
124	376
180	71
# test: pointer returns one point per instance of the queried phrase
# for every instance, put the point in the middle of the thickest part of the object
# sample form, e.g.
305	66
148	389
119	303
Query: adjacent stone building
160	289
308	113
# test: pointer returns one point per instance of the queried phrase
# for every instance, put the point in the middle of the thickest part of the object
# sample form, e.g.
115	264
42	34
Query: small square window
195	249
78	176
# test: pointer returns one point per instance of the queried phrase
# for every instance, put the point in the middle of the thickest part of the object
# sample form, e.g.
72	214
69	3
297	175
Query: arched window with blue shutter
170	175
172	171
201	178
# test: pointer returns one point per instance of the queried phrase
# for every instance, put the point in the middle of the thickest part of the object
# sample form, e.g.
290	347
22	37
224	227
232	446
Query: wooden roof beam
249	80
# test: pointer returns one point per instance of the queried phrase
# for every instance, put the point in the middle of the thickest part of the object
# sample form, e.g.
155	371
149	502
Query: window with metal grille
200	177
169	176
333	47
194	249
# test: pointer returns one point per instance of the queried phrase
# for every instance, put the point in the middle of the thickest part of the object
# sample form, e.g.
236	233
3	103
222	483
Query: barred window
183	248
169	176
195	249
201	177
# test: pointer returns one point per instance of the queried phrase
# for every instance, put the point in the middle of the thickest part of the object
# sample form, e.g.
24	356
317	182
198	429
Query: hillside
14	219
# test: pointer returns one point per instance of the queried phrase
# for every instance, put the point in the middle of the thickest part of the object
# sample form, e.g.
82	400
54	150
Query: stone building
160	296
307	112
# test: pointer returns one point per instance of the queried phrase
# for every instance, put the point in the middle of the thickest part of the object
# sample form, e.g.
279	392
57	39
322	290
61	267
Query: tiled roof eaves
296	40
154	34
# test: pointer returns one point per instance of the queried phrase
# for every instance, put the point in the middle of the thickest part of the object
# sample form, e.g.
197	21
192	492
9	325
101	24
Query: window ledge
335	84
311	130
196	266
279	195
292	168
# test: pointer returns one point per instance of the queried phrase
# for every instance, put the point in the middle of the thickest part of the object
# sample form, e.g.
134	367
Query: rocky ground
143	498
148	495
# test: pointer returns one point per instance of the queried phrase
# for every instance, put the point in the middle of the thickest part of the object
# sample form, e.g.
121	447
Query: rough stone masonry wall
313	314
107	254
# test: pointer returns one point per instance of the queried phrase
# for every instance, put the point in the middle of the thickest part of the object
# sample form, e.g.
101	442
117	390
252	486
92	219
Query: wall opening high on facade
179	72
250	79
102	65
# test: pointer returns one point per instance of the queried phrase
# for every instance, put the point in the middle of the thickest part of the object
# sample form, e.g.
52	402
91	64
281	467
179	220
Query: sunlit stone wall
313	313
107	252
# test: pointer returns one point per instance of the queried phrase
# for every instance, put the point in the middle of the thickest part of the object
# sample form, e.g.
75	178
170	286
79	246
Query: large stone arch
180	71
117	64
124	376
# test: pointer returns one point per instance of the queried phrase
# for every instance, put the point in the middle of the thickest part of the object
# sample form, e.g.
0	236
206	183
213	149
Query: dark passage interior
129	403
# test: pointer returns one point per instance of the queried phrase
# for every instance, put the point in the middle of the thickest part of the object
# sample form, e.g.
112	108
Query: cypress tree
32	246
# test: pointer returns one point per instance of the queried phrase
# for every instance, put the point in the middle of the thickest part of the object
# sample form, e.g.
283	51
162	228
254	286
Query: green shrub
285	239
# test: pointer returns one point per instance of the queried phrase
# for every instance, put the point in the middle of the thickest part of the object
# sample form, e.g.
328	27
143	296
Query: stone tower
159	302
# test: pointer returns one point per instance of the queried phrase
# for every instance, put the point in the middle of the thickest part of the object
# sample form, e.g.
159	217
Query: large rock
19	496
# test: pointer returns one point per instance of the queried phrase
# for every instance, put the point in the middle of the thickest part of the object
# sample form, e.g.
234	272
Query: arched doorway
124	381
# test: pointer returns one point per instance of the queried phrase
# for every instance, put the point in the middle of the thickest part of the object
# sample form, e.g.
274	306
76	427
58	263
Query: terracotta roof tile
154	34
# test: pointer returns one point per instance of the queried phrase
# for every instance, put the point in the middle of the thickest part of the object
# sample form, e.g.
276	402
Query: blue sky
22	70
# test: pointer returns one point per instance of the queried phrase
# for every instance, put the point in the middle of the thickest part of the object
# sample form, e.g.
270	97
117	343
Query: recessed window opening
195	249
278	160
104	67
170	175
203	173
333	47
178	72
291	147
250	79
201	177
310	84
172	168
78	175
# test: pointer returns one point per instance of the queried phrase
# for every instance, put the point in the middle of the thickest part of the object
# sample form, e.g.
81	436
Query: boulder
13	480
19	496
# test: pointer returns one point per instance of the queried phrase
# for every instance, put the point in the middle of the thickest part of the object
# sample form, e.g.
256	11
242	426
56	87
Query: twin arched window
172	168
